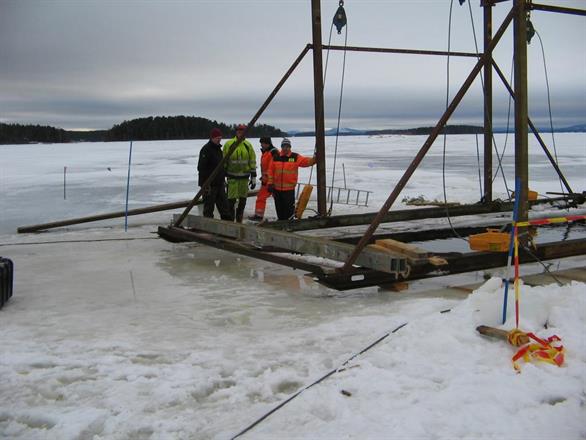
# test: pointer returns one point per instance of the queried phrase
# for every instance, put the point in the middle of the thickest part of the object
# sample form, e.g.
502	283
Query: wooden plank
406	249
175	234
373	258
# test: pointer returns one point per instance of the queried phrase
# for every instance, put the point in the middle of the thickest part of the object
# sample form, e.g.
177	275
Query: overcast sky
89	64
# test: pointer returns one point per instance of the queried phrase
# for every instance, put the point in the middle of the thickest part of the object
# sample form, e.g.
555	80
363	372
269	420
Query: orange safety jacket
265	163
283	171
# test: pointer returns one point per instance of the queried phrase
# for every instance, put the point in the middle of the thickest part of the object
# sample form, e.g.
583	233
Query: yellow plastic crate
493	241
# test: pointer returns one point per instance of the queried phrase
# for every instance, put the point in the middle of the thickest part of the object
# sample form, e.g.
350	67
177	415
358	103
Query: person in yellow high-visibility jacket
240	172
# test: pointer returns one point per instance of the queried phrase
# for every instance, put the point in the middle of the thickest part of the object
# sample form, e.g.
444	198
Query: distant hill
151	128
580	128
449	129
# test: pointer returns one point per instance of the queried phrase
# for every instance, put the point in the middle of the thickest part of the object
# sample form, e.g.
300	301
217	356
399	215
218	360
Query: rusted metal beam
534	130
427	145
521	109
559	9
402	215
401	51
487	106
457	263
235	144
318	93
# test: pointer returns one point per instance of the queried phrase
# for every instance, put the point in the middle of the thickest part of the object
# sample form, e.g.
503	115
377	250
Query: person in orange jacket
283	175
268	151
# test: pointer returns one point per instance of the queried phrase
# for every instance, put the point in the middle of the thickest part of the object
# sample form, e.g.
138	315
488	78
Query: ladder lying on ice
345	196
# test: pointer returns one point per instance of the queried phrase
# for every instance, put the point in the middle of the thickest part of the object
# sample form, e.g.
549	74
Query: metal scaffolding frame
485	63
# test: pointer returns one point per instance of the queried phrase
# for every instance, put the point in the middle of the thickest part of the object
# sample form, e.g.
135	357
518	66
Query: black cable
536	258
324	82
445	134
339	117
279	406
500	156
549	108
483	89
479	173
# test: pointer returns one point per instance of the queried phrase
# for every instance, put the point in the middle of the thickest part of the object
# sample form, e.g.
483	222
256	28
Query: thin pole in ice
511	247
127	189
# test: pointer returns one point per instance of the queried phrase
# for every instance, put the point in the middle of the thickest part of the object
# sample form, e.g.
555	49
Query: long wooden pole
109	215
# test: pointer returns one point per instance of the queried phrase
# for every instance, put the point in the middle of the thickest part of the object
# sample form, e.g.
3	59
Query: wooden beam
408	250
109	215
373	258
175	235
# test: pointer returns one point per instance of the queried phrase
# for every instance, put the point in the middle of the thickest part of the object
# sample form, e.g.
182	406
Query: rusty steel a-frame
371	259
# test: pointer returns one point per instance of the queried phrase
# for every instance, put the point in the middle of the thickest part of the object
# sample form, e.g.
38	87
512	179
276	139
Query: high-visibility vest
283	171
242	163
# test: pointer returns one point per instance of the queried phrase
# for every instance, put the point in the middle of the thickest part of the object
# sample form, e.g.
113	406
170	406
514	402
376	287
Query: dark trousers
216	196
284	204
237	214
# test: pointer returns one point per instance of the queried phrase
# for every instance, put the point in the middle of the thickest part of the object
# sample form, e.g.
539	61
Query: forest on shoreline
141	129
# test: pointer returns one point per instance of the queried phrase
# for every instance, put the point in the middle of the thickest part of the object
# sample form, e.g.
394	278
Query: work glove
271	188
252	183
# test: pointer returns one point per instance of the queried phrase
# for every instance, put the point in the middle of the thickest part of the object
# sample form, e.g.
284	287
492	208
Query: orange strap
549	350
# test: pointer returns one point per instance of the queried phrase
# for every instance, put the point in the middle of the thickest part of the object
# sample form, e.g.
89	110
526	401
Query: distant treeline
142	129
27	134
180	127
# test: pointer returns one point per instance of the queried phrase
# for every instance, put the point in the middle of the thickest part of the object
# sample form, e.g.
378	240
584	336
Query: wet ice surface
123	335
127	338
135	337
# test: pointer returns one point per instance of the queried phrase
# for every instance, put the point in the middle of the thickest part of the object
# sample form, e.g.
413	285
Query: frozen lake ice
32	176
122	335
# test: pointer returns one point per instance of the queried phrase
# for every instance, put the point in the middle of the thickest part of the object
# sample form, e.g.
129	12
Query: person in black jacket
215	194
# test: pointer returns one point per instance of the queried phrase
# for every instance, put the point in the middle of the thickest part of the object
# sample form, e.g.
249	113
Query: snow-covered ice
117	335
